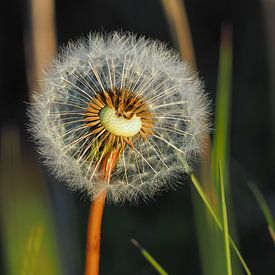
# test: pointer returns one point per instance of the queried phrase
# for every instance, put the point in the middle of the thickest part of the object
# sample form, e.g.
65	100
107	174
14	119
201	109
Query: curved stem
93	235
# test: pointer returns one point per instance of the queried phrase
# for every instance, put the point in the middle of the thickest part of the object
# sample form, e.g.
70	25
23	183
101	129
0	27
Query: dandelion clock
119	116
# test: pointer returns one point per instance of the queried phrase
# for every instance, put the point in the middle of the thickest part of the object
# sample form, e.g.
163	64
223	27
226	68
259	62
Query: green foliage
215	188
265	209
220	150
212	214
209	208
210	238
29	241
149	258
225	226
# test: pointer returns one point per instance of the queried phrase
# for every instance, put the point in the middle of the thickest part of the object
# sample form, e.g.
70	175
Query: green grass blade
33	247
225	225
210	239
149	258
26	222
206	202
220	151
265	209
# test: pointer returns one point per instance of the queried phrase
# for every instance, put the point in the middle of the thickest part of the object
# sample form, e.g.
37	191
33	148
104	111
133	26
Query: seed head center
119	125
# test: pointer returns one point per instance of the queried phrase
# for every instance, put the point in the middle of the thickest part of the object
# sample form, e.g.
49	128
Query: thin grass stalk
213	214
225	225
178	22
149	258
220	151
265	209
43	37
176	15
177	18
221	138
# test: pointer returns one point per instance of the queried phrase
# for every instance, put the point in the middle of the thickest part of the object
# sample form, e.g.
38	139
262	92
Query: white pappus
119	113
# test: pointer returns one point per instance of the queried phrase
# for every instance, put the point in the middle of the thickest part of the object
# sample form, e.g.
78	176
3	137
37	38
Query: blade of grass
225	224
220	151
26	224
209	238
206	202
178	22
33	247
265	209
177	18
40	39
221	139
149	258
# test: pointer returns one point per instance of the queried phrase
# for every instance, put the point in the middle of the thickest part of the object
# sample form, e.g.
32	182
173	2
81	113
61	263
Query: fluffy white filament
148	69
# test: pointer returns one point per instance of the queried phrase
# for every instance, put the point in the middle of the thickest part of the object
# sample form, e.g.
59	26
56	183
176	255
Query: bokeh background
43	225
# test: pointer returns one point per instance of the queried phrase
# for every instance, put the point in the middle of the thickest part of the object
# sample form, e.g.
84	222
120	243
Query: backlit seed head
120	114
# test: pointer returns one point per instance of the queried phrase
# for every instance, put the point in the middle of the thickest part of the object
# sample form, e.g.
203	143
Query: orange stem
93	235
95	218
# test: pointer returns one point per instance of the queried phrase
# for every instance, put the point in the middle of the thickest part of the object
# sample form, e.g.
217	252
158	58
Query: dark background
165	226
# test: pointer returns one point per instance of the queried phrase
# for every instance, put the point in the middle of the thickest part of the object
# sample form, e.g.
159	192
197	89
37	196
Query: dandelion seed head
119	113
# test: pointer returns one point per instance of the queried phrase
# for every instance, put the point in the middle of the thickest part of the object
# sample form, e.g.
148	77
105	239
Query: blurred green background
43	225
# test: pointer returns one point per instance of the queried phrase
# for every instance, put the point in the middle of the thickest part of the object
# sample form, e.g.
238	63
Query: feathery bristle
141	85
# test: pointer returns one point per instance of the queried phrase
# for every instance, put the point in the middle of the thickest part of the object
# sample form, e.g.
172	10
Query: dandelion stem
108	163
93	235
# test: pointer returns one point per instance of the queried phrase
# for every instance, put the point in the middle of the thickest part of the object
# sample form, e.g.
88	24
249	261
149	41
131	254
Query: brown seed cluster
126	104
